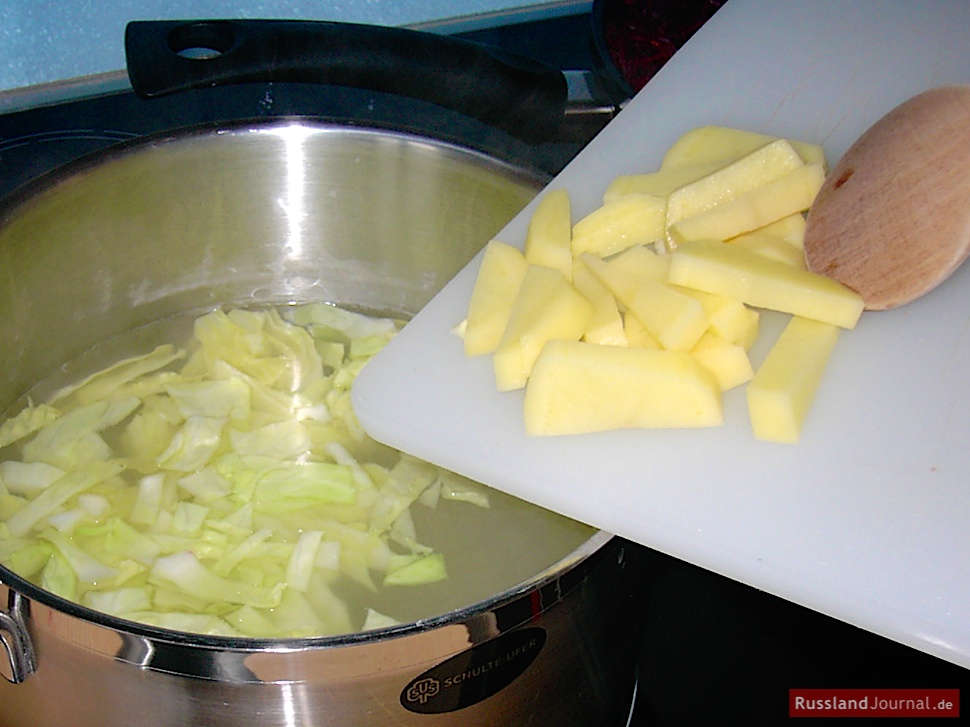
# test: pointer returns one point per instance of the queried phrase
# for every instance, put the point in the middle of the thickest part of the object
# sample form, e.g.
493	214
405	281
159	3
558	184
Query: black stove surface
713	651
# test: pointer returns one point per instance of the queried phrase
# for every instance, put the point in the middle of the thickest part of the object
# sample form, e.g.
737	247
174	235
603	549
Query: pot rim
21	196
590	547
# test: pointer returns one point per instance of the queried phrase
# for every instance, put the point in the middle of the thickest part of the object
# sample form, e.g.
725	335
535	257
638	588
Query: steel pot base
553	649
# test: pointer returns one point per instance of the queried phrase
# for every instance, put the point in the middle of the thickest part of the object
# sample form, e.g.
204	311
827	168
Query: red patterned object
642	35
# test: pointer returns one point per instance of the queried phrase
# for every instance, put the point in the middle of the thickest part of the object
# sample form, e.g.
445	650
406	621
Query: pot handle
14	639
518	95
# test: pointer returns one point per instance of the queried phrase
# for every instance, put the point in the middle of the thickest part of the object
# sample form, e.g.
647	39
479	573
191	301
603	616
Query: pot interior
253	216
243	215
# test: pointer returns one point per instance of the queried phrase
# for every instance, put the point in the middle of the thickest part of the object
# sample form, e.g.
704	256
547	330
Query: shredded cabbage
28	421
222	488
28	478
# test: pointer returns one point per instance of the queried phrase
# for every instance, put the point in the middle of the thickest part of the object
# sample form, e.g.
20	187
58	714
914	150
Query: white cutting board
868	518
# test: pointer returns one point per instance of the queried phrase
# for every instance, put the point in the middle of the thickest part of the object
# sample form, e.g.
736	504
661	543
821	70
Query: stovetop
713	651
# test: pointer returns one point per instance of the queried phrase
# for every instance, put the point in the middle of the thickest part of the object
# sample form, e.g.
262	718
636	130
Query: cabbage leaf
222	487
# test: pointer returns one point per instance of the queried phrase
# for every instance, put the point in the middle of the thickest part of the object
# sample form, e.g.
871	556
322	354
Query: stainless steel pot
266	214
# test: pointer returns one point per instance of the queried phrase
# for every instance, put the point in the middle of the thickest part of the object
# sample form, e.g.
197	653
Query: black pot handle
515	94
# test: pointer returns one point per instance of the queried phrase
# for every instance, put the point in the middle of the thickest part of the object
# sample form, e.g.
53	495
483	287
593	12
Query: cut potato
496	286
640	263
675	319
637	335
728	318
633	219
752	171
658	184
791	229
761	206
547	307
771	246
606	324
622	275
728	361
719	267
643	313
578	388
548	239
707	144
782	391
736	323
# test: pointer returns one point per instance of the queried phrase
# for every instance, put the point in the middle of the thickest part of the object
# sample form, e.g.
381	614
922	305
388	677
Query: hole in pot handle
20	662
518	95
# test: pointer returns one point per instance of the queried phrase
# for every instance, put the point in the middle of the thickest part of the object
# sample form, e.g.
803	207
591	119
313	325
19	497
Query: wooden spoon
892	220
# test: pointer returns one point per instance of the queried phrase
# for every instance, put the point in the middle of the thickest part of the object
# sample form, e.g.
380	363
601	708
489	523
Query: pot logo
473	675
420	691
